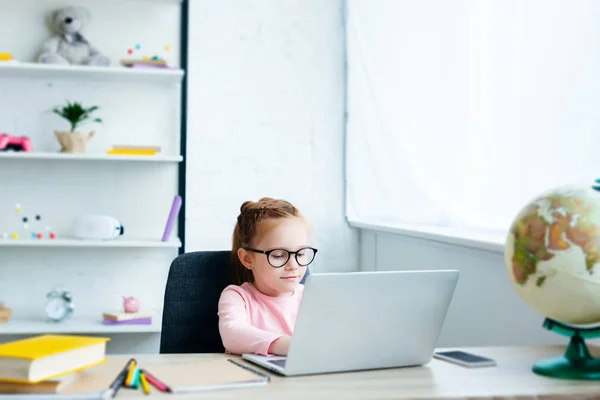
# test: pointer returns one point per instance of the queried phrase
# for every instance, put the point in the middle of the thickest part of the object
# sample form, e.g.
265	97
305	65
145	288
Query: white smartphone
465	359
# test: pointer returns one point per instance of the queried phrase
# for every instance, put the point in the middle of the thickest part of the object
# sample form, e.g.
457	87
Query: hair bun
246	206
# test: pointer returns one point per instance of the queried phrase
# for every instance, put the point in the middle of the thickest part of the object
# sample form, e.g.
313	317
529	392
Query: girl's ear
245	258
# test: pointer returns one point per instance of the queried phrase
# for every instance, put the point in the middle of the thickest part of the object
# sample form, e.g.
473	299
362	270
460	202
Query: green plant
76	114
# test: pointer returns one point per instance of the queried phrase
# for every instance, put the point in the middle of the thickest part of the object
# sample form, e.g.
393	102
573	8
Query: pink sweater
250	321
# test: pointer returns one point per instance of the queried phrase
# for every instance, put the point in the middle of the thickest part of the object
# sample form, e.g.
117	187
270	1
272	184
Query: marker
120	379
144	382
131	374
156	383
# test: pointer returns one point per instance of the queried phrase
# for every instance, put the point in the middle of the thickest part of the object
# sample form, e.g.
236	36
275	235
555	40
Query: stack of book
123	318
48	363
130	150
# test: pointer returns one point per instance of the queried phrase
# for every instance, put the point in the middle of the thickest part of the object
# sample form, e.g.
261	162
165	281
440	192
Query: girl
270	253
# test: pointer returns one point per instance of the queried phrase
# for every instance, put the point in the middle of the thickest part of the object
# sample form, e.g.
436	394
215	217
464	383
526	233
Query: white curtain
461	111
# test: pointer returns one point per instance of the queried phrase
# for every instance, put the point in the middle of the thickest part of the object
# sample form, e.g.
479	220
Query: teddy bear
68	46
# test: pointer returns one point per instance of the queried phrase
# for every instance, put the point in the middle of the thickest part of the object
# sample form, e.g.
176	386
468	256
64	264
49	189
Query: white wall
266	108
485	309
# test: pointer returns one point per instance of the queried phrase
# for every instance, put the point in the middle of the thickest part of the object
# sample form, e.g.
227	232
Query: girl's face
287	233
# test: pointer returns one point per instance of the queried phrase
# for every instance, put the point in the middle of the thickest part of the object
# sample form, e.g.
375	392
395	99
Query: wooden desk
510	379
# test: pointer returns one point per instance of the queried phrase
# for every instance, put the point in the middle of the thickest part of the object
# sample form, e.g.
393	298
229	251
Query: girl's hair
250	225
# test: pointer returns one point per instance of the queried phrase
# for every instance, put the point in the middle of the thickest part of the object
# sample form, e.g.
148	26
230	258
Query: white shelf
113	73
58	242
76	324
10	155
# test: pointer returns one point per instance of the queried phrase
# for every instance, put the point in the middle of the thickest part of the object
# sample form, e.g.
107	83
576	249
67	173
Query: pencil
144	382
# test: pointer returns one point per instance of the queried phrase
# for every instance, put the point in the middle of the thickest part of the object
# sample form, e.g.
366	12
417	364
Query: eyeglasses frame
295	253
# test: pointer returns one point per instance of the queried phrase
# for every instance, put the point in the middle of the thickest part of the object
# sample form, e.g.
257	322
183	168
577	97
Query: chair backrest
190	323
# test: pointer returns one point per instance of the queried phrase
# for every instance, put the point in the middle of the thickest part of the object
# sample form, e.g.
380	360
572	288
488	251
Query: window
460	112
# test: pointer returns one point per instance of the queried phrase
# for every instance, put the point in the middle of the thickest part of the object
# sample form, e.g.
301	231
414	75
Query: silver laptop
365	320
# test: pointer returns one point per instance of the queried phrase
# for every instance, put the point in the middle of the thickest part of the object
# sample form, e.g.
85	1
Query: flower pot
5	314
73	142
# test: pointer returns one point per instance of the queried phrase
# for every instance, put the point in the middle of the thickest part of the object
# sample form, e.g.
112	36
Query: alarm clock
59	305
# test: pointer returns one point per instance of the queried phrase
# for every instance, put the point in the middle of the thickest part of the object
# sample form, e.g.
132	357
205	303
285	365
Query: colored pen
144	382
120	379
136	379
131	374
156	383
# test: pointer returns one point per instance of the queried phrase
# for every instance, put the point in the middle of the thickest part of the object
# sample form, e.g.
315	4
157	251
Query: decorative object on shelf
131	304
175	207
146	61
4	57
552	257
68	46
59	305
35	232
73	141
15	143
97	227
5	313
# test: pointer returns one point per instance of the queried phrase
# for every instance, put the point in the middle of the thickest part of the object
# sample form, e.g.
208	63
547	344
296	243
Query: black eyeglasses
279	257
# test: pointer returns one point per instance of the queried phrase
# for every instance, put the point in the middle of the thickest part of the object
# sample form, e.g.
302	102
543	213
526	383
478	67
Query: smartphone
465	359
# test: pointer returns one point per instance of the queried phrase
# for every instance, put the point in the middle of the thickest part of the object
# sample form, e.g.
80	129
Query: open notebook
181	377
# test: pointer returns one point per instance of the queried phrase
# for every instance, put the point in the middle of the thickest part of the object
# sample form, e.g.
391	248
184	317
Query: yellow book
46	357
132	152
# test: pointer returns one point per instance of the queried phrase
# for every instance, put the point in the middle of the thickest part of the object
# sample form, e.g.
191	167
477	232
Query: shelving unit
44	156
144	106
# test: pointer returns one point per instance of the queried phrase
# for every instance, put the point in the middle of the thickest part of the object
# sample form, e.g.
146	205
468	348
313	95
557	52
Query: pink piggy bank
131	304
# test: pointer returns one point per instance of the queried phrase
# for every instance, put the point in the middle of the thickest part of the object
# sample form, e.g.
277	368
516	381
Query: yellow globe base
576	363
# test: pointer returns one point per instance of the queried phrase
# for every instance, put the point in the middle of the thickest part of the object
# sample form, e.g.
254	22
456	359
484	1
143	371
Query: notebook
44	357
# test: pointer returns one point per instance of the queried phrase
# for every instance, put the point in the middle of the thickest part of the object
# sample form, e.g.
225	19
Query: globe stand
576	362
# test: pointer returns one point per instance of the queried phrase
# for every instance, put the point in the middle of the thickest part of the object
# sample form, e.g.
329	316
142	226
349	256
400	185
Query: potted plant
73	141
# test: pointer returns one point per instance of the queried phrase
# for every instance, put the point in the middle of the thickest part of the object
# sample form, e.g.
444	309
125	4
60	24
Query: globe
552	256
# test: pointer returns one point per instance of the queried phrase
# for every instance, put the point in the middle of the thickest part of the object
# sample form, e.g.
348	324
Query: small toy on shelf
15	143
5	313
68	46
4	57
146	61
131	304
35	233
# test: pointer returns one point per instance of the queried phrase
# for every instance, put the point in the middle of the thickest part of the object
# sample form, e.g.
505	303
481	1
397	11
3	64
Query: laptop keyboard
279	363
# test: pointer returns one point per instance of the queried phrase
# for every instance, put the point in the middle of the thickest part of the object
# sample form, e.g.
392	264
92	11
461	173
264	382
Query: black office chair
190	323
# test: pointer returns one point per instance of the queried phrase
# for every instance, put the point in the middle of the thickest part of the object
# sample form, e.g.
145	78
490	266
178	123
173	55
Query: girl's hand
281	346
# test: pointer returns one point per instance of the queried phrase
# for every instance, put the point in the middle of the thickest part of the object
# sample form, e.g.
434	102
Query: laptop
365	320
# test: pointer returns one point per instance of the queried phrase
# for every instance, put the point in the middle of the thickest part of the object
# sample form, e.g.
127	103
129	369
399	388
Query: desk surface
510	379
